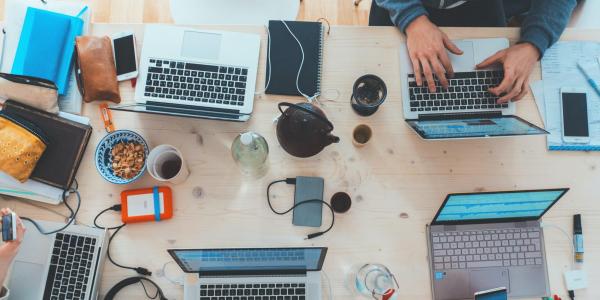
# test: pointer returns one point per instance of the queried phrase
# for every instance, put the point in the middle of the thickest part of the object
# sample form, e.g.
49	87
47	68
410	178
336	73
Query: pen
588	77
578	238
2	50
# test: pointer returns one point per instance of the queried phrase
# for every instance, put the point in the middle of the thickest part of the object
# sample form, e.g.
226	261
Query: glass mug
376	281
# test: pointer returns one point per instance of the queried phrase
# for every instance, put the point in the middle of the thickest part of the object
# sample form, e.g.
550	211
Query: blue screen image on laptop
476	127
498	205
206	260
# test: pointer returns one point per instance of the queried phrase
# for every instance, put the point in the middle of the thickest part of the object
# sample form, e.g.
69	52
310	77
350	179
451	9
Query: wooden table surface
397	182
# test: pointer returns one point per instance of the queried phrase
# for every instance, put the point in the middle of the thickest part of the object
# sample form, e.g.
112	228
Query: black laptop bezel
173	252
450	117
496	220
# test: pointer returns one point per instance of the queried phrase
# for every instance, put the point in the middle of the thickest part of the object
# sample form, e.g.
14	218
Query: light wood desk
397	182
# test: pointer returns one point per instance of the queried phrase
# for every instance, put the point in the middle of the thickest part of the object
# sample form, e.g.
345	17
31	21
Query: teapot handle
323	119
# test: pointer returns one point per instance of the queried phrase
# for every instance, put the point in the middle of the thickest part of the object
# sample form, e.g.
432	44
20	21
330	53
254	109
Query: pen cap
577	224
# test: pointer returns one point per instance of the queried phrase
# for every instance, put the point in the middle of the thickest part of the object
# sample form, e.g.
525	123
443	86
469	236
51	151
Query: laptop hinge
455	116
253	273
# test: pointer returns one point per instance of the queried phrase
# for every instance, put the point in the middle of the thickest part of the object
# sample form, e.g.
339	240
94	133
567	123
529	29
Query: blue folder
46	46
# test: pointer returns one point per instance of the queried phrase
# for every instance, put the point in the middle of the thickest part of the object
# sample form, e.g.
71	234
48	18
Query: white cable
310	99
328	284
163	272
268	62
572	247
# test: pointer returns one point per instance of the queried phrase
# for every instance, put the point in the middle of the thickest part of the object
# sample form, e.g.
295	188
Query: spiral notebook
286	56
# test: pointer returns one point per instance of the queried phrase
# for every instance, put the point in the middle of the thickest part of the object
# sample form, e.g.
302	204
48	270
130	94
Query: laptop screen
496	206
254	260
474	127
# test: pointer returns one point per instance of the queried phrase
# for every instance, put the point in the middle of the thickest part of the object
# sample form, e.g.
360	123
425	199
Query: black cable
572	294
117	207
293	181
72	216
146	291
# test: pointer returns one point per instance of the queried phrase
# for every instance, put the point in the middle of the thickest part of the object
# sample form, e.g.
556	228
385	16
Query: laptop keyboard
487	248
200	83
467	91
264	291
70	267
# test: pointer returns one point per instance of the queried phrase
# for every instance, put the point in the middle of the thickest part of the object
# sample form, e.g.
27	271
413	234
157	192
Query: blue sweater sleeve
403	12
545	22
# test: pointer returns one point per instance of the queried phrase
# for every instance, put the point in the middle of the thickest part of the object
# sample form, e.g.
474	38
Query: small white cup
163	162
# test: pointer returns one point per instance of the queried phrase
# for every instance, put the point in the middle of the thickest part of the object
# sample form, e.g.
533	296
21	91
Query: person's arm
541	28
402	12
545	22
426	43
8	251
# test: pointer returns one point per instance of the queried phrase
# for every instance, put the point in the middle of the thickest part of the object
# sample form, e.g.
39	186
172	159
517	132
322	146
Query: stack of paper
559	69
14	17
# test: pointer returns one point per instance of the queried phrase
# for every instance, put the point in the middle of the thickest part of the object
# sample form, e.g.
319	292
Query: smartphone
493	294
125	55
574	111
9	227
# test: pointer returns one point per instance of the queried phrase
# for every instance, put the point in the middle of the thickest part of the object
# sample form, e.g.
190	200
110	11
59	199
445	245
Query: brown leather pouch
96	73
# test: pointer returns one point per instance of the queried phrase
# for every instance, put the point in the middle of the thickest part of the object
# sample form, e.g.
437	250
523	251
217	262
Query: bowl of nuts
121	156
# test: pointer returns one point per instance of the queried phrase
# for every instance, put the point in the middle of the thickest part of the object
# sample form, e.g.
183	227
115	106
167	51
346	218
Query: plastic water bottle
250	151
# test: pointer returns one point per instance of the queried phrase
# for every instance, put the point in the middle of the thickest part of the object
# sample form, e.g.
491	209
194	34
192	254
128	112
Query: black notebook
285	56
67	141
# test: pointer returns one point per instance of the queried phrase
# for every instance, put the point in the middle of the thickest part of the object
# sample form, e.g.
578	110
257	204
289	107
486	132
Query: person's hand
427	46
9	249
518	62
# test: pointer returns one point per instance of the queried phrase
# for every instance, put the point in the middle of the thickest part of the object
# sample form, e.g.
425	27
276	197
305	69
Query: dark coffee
362	134
341	202
170	167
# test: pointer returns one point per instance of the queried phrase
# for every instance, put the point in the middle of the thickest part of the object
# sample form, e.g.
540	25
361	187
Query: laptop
252	273
482	241
196	73
466	109
65	265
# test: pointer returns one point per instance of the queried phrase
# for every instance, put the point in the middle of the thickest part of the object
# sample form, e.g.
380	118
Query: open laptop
466	109
65	265
482	241
196	73
288	273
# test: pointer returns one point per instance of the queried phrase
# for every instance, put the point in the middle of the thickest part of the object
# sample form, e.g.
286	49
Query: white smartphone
493	294
574	112
125	54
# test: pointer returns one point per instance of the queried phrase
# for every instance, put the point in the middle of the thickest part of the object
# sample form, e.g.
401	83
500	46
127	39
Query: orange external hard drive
144	205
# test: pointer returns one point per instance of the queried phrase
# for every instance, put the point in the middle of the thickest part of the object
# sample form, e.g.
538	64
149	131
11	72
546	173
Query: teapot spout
332	139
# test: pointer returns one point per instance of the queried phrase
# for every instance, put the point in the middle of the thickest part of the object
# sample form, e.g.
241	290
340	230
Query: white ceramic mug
165	163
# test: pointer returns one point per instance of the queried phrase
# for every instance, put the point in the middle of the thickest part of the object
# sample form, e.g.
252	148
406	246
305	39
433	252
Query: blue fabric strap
156	204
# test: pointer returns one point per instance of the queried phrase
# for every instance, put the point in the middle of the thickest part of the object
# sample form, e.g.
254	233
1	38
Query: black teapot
303	130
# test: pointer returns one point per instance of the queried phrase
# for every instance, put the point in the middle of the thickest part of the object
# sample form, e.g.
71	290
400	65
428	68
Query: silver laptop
482	241
196	73
65	265
252	273
466	109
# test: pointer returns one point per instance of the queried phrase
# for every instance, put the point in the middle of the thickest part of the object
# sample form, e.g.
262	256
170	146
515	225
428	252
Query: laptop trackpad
26	280
482	280
201	45
466	61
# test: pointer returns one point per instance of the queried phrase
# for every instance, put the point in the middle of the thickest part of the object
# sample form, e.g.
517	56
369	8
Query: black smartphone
309	214
9	227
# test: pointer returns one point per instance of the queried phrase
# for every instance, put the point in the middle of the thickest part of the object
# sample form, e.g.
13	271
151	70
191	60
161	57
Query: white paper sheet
559	69
14	16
